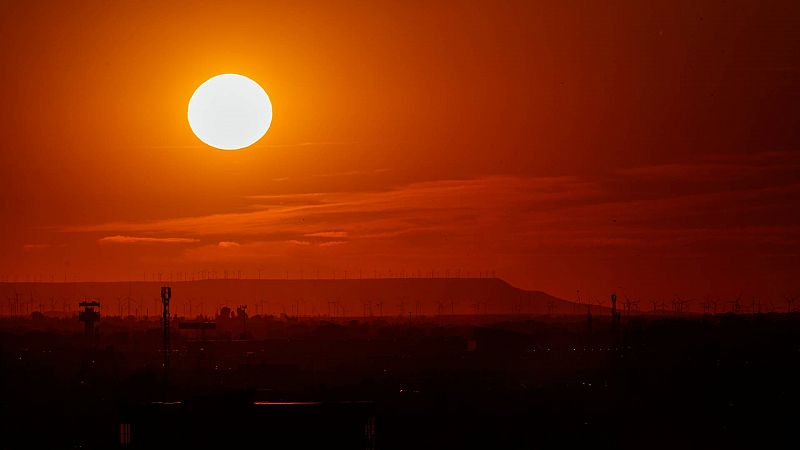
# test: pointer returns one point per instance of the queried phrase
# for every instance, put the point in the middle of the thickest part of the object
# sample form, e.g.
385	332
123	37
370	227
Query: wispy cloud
35	247
712	205
356	214
328	234
331	243
145	240
720	167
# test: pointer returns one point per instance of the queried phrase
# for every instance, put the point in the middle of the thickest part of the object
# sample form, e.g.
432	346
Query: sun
230	112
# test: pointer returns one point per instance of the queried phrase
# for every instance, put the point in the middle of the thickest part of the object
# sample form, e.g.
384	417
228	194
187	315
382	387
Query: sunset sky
645	147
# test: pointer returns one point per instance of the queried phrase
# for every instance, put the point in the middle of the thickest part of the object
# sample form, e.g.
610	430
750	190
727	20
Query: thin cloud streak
144	240
328	234
652	208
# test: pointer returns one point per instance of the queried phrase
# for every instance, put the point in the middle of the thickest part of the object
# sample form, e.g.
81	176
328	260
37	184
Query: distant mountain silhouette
388	297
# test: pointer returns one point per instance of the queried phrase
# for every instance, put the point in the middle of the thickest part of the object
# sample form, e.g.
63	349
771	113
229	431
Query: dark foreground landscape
658	380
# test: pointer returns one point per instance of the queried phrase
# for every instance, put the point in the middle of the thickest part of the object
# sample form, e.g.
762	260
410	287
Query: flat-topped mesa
364	297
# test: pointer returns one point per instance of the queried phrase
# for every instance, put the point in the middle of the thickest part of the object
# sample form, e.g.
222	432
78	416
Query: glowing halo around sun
230	112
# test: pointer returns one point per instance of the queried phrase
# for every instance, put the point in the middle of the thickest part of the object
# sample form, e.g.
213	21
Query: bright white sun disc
230	112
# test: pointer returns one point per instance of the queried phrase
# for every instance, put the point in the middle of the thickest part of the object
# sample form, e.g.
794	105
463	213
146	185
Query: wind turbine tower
166	294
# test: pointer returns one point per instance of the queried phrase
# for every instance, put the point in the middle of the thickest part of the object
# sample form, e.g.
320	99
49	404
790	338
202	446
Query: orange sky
651	146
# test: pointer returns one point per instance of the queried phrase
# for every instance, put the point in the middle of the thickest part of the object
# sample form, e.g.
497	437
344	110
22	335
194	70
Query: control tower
89	316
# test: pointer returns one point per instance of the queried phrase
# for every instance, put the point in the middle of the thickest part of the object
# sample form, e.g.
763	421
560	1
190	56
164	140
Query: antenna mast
166	294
